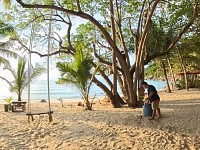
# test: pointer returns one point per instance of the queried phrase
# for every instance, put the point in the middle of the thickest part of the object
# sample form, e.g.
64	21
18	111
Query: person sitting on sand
153	98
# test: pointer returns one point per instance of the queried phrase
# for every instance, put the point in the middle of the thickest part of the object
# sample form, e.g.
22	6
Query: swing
30	115
49	112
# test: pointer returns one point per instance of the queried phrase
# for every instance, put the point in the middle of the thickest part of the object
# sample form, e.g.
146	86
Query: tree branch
84	16
178	37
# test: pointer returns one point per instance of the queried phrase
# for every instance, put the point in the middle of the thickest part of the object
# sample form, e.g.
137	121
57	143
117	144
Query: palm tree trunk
87	103
19	97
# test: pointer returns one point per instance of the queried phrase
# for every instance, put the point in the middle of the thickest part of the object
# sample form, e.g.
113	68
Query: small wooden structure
192	79
18	106
191	75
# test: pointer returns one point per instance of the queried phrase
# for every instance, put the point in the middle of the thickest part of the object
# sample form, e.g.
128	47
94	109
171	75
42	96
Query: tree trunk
108	93
115	102
140	80
166	78
184	68
114	67
142	44
123	88
87	105
19	97
140	87
172	74
121	101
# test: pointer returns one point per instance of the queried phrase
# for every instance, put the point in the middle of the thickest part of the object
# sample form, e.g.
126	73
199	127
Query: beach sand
105	128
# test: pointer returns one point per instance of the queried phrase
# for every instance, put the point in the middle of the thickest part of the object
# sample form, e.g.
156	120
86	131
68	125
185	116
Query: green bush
198	84
191	84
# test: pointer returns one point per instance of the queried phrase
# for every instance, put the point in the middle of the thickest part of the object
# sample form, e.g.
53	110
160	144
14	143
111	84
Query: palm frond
66	68
67	81
4	61
9	68
5	29
8	82
7	3
21	71
3	44
9	53
35	73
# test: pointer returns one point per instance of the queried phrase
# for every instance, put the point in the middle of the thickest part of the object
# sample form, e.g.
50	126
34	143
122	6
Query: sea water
39	90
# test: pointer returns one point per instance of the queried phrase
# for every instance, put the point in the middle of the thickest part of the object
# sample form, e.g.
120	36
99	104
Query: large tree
127	27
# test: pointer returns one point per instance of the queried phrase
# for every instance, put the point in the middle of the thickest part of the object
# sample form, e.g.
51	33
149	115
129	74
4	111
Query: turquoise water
39	90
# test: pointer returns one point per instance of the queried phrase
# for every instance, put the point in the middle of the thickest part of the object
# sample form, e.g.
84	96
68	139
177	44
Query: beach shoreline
105	127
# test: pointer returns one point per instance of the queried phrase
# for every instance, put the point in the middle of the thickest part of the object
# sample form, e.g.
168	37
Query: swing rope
29	114
29	66
49	46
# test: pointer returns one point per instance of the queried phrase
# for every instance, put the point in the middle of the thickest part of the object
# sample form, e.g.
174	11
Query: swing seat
30	115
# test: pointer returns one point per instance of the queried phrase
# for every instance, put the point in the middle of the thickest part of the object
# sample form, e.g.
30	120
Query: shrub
191	83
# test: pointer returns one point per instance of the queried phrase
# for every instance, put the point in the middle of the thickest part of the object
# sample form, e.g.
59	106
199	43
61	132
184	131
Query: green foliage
159	37
87	5
198	84
72	5
77	73
191	83
48	2
5	53
179	9
6	3
132	6
153	70
8	17
8	99
84	35
5	29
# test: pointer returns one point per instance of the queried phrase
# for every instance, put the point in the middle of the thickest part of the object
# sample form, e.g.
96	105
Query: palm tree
77	74
5	30
21	79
